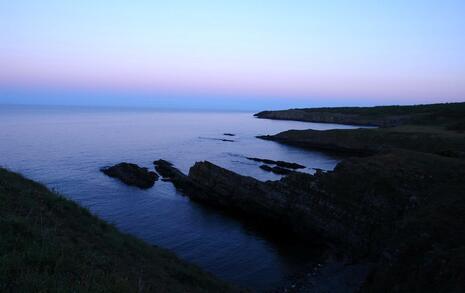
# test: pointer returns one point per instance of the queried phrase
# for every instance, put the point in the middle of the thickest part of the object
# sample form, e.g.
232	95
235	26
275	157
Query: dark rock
402	210
276	170
220	139
170	173
278	163
266	168
131	174
229	134
266	161
289	165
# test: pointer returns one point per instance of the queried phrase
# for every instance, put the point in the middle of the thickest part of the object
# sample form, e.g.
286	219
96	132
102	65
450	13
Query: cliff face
387	208
358	204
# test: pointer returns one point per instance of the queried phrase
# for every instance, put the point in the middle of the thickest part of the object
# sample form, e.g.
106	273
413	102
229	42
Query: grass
50	244
449	115
429	139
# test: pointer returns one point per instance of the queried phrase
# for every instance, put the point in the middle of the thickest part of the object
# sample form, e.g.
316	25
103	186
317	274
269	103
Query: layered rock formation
370	208
282	164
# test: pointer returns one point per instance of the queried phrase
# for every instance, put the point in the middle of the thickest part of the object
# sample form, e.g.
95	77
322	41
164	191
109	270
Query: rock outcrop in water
401	209
276	169
282	164
131	174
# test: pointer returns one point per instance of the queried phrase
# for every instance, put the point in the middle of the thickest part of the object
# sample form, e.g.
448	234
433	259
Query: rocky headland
376	209
396	208
381	116
363	141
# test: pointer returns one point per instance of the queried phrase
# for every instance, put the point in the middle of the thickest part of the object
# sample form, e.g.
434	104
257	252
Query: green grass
429	139
450	115
435	111
50	244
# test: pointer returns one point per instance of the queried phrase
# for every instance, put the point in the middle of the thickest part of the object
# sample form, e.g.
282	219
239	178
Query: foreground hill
449	115
50	244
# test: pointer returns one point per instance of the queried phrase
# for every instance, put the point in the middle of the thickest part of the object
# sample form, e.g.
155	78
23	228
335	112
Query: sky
231	54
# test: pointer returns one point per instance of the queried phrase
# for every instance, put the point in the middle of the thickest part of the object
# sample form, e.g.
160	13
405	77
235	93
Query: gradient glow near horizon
315	52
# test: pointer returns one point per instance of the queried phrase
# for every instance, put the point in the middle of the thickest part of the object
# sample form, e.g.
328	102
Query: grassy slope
449	115
431	139
50	244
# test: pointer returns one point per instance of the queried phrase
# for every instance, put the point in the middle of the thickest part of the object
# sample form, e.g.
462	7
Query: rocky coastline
393	212
380	116
363	209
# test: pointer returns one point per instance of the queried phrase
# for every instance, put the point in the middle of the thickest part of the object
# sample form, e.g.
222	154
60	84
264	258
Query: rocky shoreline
393	213
362	209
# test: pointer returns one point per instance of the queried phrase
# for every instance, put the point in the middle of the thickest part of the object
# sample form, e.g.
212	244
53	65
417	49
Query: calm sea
65	147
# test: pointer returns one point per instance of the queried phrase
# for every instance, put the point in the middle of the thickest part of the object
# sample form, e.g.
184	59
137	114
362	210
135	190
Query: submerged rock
220	139
266	161
131	174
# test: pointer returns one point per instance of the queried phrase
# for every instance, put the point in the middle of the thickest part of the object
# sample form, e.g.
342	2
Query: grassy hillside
50	244
430	139
449	115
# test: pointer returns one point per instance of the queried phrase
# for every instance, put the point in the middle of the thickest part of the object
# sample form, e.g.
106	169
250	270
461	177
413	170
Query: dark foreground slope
50	244
450	115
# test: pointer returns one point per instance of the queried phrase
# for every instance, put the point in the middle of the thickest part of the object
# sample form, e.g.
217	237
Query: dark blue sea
64	147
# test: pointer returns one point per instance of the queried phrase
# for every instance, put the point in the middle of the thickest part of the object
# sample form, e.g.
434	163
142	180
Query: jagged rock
282	164
277	170
375	208
289	165
266	161
131	174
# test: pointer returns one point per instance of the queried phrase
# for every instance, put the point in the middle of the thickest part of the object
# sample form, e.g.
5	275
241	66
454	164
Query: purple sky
271	53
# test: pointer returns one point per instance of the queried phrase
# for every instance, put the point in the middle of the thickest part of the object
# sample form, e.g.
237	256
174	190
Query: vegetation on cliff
406	196
448	115
50	244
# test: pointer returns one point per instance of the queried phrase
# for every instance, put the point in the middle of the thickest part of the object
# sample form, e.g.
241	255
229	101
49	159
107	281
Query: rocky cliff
372	208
